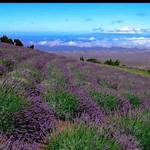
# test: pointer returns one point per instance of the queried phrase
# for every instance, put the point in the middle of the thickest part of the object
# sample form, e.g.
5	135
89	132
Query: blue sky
75	17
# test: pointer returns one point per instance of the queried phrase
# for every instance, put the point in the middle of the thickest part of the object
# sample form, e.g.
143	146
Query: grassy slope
137	71
72	137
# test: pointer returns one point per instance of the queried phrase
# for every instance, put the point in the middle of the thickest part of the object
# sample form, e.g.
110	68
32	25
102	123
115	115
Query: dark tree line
16	42
108	62
113	63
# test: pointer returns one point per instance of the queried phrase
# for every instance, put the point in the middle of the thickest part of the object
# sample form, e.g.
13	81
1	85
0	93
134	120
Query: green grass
18	76
137	71
9	64
80	137
56	75
107	102
134	101
27	70
79	77
63	103
9	104
138	128
23	78
105	84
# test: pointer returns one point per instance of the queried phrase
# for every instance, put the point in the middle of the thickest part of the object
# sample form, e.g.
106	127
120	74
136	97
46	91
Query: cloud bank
134	42
124	29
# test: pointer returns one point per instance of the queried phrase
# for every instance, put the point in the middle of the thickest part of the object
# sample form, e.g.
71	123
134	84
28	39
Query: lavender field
52	102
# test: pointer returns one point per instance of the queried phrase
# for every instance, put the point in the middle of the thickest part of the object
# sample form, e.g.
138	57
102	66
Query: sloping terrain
130	57
51	102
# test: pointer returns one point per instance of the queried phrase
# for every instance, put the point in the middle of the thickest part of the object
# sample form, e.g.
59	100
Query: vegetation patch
135	101
107	102
8	64
16	42
81	58
63	103
93	60
137	71
9	104
137	128
80	79
81	137
23	79
111	62
107	84
5	39
56	75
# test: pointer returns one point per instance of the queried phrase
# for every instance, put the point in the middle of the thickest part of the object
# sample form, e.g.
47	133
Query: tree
81	58
111	62
93	60
117	63
11	41
5	39
18	42
31	46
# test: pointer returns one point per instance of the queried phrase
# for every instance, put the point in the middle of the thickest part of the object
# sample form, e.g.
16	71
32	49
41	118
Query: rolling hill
53	102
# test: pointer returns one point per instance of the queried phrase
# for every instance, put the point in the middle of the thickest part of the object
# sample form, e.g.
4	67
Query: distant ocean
90	41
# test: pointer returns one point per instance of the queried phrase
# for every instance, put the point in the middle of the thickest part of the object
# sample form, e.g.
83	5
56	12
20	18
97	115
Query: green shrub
113	63
93	60
63	103
9	104
107	84
18	42
55	75
80	137
9	64
31	46
107	102
137	128
135	101
81	58
117	63
5	39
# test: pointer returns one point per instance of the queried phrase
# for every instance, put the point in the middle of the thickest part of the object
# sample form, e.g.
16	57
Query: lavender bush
40	89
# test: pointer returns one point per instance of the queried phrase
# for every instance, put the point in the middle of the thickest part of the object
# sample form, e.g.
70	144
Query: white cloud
127	29
70	43
132	42
42	42
87	38
50	43
31	42
92	38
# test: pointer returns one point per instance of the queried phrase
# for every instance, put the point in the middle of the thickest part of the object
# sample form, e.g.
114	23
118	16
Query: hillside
52	102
